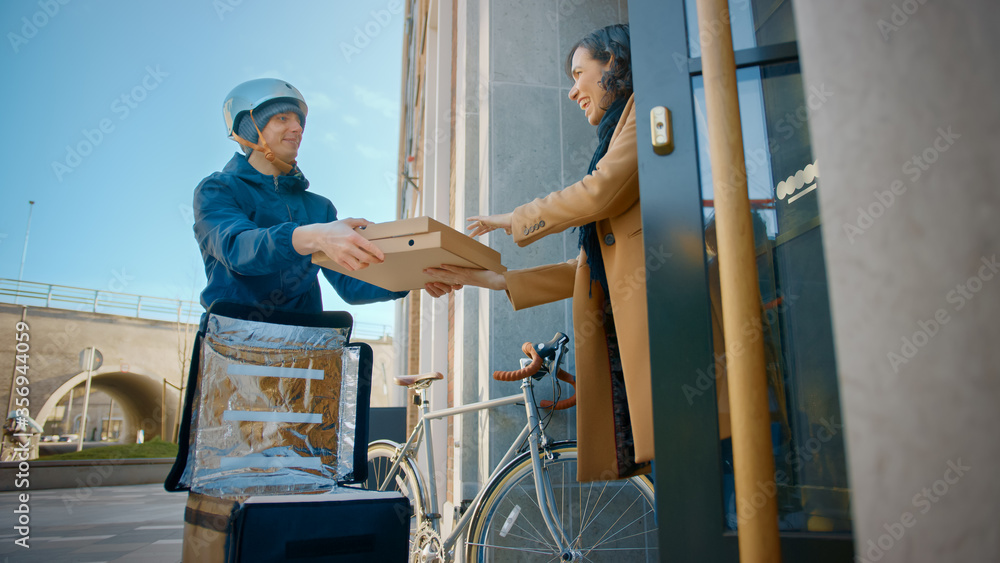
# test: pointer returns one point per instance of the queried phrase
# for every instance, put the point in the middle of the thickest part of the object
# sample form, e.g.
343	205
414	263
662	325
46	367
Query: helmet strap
263	147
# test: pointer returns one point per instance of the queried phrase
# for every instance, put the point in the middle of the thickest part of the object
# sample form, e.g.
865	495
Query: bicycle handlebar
527	371
531	369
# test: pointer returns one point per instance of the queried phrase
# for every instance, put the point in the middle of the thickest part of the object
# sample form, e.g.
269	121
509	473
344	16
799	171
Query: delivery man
257	225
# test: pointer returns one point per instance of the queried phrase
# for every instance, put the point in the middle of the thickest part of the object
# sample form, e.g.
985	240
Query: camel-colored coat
609	196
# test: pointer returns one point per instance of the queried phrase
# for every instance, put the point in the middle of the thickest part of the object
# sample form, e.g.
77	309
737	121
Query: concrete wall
910	204
517	137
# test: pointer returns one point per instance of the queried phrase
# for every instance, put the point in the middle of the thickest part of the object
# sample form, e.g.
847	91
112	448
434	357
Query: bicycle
531	507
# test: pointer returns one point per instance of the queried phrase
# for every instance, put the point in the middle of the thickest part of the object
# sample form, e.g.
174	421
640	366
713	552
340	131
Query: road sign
98	359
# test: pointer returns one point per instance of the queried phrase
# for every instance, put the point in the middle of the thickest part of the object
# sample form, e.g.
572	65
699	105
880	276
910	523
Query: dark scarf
589	241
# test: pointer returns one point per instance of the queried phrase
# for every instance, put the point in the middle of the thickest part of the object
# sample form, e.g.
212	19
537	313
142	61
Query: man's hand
340	242
482	224
458	277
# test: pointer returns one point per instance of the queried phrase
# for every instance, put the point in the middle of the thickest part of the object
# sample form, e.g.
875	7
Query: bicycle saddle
423	378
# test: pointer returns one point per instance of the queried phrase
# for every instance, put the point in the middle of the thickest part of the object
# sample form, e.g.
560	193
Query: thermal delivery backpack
274	441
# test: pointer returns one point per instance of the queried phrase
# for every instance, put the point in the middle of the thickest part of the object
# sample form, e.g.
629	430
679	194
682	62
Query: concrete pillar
467	335
533	141
436	185
907	140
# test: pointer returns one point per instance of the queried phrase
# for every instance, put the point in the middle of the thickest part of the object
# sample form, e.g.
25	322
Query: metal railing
129	304
98	301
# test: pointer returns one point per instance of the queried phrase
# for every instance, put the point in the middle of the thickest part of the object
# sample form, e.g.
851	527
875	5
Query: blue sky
122	211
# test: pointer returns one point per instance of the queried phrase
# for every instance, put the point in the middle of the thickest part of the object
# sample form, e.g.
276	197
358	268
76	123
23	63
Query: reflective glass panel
783	180
754	23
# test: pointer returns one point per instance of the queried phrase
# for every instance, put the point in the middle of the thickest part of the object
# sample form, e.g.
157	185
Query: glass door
694	466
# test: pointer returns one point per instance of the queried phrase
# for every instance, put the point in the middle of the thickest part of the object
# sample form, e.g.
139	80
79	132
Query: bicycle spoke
590	517
530	494
639	497
535	540
635	535
605	537
598	505
508	548
583	506
604	540
538	534
610	549
538	538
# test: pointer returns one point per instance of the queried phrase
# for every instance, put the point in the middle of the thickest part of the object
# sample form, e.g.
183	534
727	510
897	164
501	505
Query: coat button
526	231
541	223
609	239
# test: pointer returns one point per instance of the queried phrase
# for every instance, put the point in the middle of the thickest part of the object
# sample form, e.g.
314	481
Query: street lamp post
24	253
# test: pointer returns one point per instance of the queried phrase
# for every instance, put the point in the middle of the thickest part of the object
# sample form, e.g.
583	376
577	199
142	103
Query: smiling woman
606	280
601	71
588	91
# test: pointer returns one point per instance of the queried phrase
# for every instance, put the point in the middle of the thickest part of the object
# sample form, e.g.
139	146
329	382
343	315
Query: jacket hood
241	168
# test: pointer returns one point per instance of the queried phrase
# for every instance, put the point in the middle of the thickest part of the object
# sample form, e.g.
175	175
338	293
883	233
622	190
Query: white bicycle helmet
251	95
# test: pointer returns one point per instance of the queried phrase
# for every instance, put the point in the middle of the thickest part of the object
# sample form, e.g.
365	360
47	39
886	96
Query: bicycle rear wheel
381	454
604	521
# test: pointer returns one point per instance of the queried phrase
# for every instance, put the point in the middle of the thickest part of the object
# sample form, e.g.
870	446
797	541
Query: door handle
661	130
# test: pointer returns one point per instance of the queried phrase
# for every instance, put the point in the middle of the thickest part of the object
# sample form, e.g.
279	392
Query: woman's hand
480	225
457	277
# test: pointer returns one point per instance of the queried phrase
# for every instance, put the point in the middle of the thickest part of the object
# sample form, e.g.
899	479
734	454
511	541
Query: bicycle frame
532	431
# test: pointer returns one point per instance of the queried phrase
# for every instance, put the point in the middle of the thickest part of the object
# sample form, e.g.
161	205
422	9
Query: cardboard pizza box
410	246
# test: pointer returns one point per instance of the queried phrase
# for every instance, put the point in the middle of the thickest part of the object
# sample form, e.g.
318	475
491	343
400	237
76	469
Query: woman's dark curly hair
605	44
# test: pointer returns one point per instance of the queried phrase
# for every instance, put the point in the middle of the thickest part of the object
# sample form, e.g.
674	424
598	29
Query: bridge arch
138	395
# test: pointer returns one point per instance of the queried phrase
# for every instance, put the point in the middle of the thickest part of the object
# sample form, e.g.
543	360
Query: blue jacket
243	224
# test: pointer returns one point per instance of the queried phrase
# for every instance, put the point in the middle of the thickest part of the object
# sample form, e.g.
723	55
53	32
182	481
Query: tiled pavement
139	524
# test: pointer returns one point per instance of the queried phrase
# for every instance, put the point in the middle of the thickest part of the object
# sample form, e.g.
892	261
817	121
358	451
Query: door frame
688	467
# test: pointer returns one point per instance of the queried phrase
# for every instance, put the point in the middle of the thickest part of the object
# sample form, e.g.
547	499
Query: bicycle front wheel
603	521
381	454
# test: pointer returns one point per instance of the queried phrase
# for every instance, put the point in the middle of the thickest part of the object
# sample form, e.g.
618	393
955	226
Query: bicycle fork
543	486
